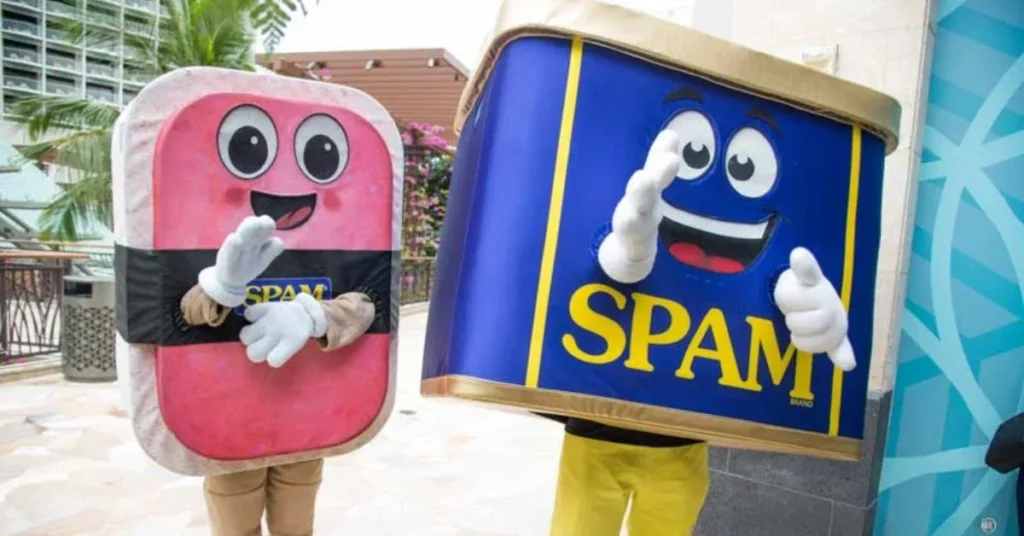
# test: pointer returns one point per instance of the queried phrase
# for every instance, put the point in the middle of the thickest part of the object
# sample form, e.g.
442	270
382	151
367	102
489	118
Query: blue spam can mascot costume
657	230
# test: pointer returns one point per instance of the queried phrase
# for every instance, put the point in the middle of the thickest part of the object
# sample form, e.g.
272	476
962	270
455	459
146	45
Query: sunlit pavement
69	465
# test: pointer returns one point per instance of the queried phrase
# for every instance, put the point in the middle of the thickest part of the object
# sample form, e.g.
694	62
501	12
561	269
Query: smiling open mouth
289	211
711	244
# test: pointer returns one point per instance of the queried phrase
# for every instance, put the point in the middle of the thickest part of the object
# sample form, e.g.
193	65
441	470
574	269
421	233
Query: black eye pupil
696	159
741	171
248	150
321	157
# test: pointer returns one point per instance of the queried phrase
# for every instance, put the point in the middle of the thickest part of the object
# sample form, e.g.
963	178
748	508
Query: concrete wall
882	44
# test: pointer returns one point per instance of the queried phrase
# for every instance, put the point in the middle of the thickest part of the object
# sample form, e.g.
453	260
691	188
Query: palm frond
218	33
206	32
84	152
84	202
271	18
85	156
40	115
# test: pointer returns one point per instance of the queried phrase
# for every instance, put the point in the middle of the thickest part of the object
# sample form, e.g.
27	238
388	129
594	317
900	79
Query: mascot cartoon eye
247	142
750	163
696	141
321	148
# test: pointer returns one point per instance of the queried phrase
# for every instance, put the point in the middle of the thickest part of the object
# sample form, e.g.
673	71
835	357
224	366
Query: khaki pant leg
235	502
291	497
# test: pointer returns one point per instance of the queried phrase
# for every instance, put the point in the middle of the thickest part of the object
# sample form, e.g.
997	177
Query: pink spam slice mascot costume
257	221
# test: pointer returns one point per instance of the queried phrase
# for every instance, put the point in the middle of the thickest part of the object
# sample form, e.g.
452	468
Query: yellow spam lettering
273	292
711	340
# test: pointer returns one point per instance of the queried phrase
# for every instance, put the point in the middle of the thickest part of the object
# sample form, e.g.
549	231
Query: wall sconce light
371	64
823	58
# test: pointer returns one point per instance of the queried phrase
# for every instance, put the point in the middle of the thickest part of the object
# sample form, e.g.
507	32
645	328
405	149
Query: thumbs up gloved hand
814	313
627	254
245	254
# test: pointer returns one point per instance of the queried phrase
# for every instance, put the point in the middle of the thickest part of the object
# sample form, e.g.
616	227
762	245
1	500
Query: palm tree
218	33
271	17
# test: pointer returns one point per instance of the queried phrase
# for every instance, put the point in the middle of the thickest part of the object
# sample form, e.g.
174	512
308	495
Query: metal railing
65	64
138	28
102	96
417	279
34	4
19	27
60	8
21	54
100	70
53	34
144	5
61	89
21	83
104	47
103	20
30	294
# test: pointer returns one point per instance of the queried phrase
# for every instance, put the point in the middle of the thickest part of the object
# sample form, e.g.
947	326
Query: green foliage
76	132
428	173
271	17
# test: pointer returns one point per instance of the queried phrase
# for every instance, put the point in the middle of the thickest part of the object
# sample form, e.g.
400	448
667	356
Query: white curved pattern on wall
961	356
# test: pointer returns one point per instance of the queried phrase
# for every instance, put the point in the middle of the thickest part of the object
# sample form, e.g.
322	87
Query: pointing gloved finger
257	351
270	250
664	168
258	311
248	229
805	267
636	182
667	141
642	191
230	253
251	334
265	227
284	350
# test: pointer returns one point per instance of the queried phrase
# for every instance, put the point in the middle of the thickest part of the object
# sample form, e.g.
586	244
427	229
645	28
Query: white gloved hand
815	315
627	254
245	254
280	329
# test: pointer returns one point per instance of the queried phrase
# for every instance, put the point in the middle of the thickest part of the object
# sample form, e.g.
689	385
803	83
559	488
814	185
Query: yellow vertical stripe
847	286
547	262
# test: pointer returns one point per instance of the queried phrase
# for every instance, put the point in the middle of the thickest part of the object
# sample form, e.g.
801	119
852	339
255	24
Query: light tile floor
69	465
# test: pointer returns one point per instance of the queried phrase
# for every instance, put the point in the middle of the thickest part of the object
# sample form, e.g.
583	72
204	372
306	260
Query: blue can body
520	299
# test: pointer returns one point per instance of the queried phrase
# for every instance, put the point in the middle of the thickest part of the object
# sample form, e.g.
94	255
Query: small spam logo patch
284	289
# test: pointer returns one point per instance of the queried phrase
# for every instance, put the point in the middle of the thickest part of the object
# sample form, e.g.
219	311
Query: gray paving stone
853	483
852	521
739	507
718	458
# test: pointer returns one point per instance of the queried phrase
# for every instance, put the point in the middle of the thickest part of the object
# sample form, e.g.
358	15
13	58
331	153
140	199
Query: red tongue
293	218
694	256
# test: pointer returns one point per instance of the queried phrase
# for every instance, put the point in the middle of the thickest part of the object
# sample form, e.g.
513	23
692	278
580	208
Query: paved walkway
69	465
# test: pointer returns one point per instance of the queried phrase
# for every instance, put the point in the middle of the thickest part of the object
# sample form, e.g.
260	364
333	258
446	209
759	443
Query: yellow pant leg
590	500
669	490
291	497
235	502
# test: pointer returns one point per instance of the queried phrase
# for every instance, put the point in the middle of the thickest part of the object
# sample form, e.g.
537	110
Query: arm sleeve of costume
198	309
348	317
